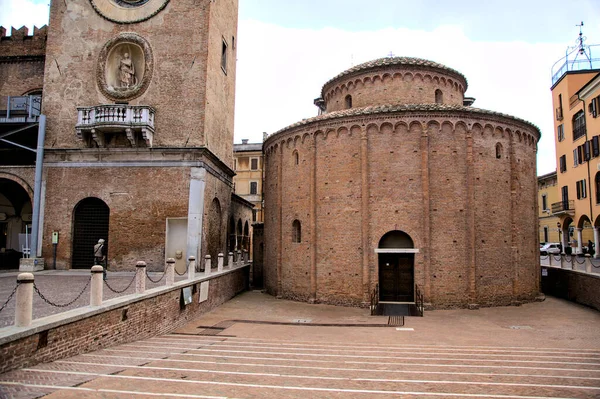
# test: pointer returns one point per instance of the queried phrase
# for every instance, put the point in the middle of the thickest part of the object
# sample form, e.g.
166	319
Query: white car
550	248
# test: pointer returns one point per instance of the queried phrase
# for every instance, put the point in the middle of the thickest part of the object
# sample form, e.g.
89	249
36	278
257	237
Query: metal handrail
420	300
375	301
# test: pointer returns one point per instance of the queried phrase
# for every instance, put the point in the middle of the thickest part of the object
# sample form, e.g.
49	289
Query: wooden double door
396	277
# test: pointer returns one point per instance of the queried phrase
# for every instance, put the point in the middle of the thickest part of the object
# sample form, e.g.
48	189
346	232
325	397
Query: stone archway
396	253
90	223
15	216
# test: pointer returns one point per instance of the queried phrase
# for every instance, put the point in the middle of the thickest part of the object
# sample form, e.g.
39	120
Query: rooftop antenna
581	48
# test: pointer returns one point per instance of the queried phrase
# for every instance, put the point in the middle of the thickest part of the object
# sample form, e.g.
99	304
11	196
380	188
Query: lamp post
559	236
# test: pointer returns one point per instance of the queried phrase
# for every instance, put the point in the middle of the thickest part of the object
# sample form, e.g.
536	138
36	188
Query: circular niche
128	11
125	67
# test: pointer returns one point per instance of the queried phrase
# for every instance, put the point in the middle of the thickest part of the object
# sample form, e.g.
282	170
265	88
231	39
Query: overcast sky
288	49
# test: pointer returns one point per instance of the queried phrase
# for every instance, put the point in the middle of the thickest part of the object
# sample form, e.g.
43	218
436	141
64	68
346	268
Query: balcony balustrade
563	208
135	121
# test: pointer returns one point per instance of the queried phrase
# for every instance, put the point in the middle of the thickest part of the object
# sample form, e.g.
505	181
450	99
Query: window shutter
586	151
578	190
584	188
595	147
575	157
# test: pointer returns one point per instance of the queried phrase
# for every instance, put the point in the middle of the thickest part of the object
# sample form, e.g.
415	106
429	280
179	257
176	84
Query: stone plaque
203	291
186	294
128	11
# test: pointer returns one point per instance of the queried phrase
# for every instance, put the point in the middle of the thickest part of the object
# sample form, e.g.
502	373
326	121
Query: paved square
256	346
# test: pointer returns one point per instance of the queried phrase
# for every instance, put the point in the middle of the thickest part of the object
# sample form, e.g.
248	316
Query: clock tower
139	100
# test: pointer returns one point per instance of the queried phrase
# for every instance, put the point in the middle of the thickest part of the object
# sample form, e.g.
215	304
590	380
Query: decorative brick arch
19	181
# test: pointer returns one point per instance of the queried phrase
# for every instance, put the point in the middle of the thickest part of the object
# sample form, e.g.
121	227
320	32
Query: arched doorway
90	223
213	239
396	268
15	222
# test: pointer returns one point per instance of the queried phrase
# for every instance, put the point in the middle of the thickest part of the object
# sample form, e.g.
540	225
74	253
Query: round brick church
399	186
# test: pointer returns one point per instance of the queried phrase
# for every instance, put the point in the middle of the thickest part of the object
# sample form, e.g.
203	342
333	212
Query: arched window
498	150
348	100
439	97
578	125
296	231
296	159
597	187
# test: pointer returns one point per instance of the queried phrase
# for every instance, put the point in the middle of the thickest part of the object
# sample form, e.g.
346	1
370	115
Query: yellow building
248	166
576	102
549	223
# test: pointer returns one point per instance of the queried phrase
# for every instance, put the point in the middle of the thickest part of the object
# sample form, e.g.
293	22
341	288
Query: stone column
230	259
140	277
24	300
170	272
207	265
596	241
244	256
239	258
220	262
579	238
564	239
96	286
191	267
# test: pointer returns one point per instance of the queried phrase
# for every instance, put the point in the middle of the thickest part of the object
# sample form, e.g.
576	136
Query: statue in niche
127	77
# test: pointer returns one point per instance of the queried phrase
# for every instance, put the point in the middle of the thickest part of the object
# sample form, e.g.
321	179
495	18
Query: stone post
239	257
596	241
230	260
207	265
220	262
24	300
245	256
96	286
191	267
588	264
170	272
140	277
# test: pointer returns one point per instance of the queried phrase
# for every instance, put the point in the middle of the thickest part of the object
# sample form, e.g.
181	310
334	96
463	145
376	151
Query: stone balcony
100	123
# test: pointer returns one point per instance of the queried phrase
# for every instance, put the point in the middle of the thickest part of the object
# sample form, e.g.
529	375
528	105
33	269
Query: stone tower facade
139	99
400	184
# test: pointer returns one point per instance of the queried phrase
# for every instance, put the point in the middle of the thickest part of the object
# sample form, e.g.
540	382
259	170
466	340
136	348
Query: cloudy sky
288	49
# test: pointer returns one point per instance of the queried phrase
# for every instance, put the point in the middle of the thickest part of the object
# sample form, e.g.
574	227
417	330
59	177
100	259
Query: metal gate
89	225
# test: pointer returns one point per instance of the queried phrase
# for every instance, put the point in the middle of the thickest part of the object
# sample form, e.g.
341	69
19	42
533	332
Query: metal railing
419	301
24	106
571	63
375	301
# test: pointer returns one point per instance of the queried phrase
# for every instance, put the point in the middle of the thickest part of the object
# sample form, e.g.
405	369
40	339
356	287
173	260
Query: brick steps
253	368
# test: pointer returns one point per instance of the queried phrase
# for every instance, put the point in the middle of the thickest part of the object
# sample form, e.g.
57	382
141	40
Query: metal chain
185	272
544	257
120	291
9	298
581	263
155	281
35	288
557	258
593	265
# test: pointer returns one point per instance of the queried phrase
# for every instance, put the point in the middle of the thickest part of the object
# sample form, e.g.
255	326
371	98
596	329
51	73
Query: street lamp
559	236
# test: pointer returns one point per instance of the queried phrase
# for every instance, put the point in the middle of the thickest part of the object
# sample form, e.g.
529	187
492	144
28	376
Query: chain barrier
577	260
557	258
9	298
185	272
35	288
593	265
120	291
155	281
544	257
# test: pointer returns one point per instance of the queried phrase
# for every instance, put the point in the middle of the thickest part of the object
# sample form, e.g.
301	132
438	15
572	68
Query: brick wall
434	175
574	286
146	317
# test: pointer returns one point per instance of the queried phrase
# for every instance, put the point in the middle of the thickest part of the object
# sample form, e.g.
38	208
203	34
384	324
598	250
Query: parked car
551	248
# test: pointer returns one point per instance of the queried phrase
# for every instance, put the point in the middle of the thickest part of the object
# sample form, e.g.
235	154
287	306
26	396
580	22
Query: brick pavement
261	347
62	287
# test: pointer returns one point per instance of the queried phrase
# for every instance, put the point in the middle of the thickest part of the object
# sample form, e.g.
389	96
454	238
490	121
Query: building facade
401	185
248	180
138	149
576	105
548	194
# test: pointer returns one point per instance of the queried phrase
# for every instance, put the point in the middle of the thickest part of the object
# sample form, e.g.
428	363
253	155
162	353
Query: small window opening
254	164
498	151
224	56
296	231
439	97
296	160
348	100
253	187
